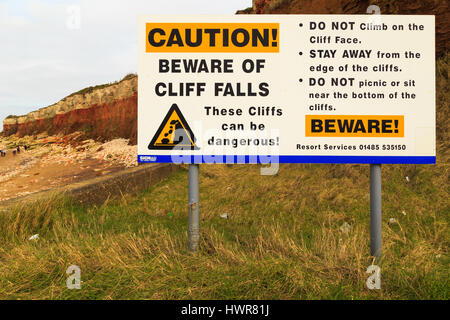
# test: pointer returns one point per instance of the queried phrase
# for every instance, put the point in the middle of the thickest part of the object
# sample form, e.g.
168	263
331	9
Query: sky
52	48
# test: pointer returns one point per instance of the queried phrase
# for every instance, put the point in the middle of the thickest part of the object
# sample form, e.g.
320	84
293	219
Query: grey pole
194	220
375	210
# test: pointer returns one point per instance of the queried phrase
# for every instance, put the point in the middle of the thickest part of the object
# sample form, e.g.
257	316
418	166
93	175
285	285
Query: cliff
440	8
110	111
102	112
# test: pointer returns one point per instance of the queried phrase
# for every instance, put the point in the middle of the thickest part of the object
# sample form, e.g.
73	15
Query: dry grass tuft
282	238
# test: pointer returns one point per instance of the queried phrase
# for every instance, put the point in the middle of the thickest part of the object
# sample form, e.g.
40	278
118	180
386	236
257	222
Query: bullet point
301	24
300	80
300	53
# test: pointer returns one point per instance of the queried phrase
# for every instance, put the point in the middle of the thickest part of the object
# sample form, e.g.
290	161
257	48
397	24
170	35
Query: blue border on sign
243	159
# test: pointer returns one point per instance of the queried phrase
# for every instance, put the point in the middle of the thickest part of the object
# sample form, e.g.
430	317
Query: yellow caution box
355	126
212	37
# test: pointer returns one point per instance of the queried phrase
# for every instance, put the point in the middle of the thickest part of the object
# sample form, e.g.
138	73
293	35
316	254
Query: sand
57	161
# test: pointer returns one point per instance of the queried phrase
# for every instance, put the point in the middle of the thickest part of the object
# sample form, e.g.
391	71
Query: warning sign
173	133
354	126
212	37
287	89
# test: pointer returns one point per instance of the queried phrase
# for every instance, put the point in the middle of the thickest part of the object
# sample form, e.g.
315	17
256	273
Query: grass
281	241
101	86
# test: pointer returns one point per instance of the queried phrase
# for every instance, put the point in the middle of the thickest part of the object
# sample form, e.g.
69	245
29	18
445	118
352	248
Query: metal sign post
375	210
194	219
240	87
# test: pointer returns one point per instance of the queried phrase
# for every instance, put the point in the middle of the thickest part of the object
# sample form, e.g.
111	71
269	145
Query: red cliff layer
102	113
100	121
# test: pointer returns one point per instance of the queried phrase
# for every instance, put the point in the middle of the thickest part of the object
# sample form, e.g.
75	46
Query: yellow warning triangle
173	133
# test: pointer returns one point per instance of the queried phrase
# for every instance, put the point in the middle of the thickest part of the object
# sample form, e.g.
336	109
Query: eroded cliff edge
439	8
110	111
102	113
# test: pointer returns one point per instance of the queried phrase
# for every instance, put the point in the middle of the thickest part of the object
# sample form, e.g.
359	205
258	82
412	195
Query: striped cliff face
103	113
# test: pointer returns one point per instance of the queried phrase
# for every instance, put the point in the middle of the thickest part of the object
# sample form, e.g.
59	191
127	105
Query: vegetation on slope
101	86
282	239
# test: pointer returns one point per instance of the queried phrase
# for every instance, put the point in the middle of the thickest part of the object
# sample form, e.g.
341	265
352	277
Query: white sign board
287	89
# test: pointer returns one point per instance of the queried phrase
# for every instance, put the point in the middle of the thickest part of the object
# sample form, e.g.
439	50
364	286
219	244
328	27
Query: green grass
281	241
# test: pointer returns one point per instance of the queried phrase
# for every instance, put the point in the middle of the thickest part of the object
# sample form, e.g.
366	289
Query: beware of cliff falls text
290	88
